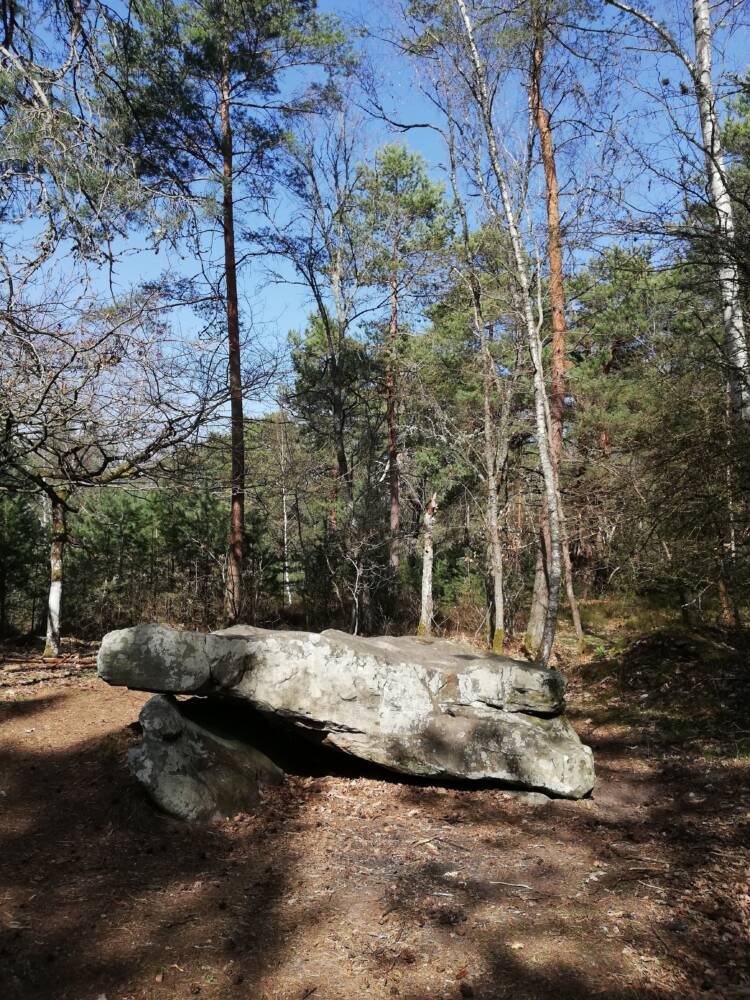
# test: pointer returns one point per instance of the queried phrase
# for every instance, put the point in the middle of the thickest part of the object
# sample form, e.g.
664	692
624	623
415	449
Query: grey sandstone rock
432	708
194	772
170	661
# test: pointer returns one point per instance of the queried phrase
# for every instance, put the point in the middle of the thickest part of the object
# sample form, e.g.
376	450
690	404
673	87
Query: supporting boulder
428	708
193	771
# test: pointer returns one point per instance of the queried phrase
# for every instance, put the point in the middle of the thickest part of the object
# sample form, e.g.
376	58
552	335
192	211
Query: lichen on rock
439	709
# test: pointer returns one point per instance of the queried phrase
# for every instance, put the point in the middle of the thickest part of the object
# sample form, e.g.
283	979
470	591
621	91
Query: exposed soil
345	887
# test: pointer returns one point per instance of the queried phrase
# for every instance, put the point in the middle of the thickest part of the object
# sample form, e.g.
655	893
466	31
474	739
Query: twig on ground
452	843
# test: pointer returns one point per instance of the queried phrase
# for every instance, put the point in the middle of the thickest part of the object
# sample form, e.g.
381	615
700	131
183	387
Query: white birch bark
701	73
425	620
496	632
729	283
54	601
285	514
522	277
52	644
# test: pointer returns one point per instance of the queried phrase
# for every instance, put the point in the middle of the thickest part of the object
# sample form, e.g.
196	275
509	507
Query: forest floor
345	886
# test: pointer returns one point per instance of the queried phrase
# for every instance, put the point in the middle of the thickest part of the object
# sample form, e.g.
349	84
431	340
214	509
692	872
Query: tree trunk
425	621
285	516
57	551
233	595
336	342
496	631
554	246
687	606
558	362
342	477
728	611
728	273
333	508
3	602
4	584
735	344
575	613
496	636
540	595
524	302
392	424
496	612
343	473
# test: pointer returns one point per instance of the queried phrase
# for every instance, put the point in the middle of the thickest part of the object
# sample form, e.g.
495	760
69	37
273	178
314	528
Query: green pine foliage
649	471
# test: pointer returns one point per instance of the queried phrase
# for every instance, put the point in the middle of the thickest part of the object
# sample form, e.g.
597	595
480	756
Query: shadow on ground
345	885
98	888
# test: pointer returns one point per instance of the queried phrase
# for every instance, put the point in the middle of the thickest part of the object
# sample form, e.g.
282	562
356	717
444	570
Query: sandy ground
344	887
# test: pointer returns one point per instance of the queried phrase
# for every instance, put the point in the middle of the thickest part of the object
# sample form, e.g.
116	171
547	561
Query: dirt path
343	888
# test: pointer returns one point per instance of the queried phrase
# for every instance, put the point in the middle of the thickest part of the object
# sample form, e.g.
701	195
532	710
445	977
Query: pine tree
405	223
198	92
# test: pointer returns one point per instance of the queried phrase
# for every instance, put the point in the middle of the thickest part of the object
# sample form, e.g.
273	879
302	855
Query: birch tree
539	26
700	72
446	31
427	609
478	86
95	396
495	433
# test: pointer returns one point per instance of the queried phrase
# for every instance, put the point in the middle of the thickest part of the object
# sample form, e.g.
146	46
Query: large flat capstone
433	708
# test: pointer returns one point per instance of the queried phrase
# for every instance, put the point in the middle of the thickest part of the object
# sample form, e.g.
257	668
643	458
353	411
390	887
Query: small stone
531	798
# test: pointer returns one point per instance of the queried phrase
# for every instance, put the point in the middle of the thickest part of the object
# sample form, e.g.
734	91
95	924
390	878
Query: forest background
397	321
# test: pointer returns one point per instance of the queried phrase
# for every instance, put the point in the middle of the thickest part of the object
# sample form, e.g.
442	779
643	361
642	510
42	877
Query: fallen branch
25	681
18	664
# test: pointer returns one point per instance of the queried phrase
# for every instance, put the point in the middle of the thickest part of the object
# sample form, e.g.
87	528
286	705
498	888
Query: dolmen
429	708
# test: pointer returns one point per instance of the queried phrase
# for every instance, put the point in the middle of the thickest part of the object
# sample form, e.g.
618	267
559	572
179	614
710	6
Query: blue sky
276	308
